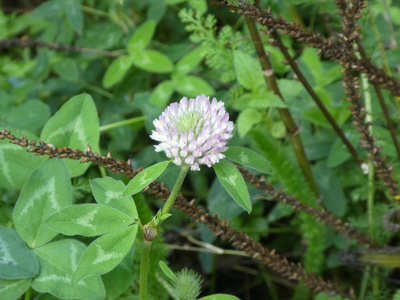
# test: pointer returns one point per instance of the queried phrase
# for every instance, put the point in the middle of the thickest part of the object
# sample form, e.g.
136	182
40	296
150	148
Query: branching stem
314	96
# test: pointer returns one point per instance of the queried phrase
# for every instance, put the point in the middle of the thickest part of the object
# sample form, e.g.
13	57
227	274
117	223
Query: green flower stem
28	294
98	90
95	11
144	265
144	270
371	184
175	190
122	123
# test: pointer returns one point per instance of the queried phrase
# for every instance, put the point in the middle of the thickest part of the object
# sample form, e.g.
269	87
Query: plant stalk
28	294
314	96
97	90
291	127
371	186
122	123
382	103
144	265
144	270
175	190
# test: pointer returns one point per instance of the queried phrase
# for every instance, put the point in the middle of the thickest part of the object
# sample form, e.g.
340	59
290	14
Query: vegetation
304	205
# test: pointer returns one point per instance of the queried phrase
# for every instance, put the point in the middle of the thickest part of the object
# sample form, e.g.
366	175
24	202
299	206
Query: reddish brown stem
314	96
332	50
291	127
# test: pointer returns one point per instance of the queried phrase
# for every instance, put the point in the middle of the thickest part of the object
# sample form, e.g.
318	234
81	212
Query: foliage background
151	53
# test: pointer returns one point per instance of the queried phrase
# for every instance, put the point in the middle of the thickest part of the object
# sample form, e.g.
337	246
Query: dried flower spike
193	132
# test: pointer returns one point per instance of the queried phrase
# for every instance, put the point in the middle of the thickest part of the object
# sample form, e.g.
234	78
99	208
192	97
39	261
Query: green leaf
105	253
144	178
48	9
219	202
42	66
17	261
233	182
199	5
119	279
279	211
331	190
192	86
13	289
324	296
67	68
331	75
162	93
167	271
339	113
164	217
142	37
46	191
277	58
287	172
149	110
117	70
174	2
247	119
17	164
136	297
191	60
338	154
152	61
74	14
30	115
219	297
264	98
249	159
58	261
109	191
75	125
248	70
278	130
290	89
156	10
88	220
310	57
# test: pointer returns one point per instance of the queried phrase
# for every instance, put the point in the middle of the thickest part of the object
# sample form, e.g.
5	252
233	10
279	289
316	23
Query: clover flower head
193	132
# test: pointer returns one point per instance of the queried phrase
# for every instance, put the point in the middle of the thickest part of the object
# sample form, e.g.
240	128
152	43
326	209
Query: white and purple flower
193	132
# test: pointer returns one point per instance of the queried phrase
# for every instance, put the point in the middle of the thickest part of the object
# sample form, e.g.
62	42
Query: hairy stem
144	270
